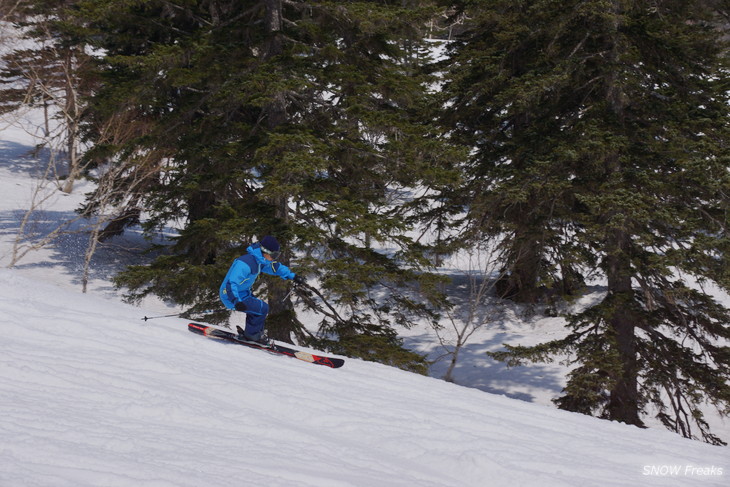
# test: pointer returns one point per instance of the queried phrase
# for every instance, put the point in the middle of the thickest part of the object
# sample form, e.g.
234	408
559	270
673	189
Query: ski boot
263	340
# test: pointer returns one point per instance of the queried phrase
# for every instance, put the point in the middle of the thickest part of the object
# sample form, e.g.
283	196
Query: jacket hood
255	250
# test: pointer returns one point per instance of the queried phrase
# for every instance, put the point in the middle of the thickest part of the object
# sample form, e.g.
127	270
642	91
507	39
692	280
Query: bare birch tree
470	313
48	73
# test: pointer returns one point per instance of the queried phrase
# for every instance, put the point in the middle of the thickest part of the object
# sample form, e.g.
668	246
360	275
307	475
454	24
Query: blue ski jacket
243	274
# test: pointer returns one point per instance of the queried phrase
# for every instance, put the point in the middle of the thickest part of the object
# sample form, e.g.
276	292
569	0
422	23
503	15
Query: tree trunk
449	376
71	116
526	248
526	257
282	321
624	397
200	204
520	282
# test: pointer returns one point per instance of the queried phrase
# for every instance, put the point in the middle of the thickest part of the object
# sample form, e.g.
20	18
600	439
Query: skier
235	291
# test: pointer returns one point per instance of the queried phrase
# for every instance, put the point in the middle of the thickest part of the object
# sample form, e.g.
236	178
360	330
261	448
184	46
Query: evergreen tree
298	119
507	94
601	135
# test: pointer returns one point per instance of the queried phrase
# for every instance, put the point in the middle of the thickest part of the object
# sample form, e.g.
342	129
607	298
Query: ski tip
197	328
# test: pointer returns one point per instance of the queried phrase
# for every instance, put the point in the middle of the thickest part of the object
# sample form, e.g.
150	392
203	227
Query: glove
240	306
299	280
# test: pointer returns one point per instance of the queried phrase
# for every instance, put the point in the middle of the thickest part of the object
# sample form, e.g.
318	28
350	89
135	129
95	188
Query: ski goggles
274	254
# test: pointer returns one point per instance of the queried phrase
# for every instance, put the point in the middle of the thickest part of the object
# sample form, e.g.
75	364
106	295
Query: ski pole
206	312
288	294
161	316
302	291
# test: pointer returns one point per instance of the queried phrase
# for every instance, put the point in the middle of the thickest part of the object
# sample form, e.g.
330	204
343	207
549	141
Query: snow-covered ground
91	395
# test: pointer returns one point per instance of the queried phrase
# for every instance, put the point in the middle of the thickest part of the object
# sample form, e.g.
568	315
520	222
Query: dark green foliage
602	135
299	119
511	96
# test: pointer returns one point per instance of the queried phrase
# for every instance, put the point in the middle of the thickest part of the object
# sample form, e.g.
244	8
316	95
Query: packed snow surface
91	395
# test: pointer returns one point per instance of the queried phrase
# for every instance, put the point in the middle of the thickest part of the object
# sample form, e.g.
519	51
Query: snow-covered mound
91	395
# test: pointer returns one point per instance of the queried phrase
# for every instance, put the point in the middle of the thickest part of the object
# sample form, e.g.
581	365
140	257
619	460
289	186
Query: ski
212	332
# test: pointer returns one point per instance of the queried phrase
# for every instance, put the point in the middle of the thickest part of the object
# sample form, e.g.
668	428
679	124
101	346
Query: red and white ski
212	332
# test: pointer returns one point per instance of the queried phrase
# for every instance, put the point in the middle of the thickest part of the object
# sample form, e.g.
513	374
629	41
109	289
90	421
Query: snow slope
90	395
